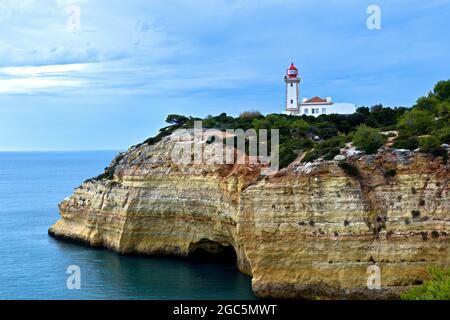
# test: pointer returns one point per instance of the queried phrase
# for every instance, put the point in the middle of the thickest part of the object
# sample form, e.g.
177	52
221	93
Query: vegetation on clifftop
324	135
425	125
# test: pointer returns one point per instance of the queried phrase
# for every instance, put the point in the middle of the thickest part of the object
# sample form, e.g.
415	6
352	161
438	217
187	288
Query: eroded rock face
309	231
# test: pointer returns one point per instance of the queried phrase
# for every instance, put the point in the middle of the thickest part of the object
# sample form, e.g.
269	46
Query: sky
104	74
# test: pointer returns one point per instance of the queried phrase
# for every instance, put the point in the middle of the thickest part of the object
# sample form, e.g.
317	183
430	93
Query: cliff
310	231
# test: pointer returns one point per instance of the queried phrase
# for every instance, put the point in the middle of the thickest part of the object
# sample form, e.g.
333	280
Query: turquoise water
33	265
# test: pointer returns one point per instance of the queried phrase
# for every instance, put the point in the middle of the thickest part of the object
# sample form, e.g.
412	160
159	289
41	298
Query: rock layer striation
310	231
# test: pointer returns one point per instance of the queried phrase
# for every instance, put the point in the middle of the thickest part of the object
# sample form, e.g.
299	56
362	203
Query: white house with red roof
311	107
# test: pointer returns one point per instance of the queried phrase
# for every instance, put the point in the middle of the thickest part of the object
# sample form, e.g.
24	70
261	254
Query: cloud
42	70
187	47
32	79
8	8
32	85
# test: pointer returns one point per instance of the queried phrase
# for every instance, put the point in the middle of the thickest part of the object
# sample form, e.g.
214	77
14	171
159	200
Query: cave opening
211	251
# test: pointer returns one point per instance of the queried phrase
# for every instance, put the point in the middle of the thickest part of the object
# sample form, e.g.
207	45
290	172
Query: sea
35	266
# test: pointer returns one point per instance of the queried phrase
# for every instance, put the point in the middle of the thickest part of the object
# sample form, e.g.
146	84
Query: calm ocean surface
33	265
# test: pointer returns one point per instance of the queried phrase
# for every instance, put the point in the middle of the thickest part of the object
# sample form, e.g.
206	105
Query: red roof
292	67
316	100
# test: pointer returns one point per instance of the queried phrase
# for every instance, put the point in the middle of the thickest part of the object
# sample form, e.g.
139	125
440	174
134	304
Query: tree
363	110
176	119
376	108
250	114
416	122
443	110
384	116
427	102
368	139
442	90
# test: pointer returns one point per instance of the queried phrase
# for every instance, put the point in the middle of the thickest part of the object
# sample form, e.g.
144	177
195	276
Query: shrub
350	169
390	173
327	149
311	155
332	153
410	143
416	122
108	174
288	151
368	139
176	119
436	288
443	134
430	144
391	135
250	114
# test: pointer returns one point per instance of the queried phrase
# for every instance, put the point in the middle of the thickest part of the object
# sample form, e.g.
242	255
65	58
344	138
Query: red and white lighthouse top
292	71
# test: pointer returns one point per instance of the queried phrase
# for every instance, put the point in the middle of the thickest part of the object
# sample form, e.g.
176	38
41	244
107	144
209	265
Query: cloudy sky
109	79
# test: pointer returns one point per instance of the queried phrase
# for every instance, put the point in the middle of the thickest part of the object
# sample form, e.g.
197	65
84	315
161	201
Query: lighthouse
292	81
315	106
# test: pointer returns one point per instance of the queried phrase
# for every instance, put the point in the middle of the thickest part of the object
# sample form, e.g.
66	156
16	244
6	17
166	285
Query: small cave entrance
210	251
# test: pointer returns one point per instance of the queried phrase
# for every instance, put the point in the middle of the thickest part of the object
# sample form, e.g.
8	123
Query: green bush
410	143
176	119
350	169
108	174
368	139
311	155
332	153
391	135
443	134
388	173
250	114
327	149
288	151
437	288
416	122
430	144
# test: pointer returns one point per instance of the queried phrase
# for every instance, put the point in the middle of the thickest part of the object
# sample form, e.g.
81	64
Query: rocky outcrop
312	230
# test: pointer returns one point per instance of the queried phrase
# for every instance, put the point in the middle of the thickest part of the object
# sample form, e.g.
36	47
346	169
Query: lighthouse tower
292	81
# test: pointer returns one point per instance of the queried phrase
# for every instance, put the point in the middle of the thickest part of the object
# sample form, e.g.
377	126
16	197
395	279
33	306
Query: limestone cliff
310	231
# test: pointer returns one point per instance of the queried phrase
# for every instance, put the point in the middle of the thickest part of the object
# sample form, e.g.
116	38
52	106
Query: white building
311	107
